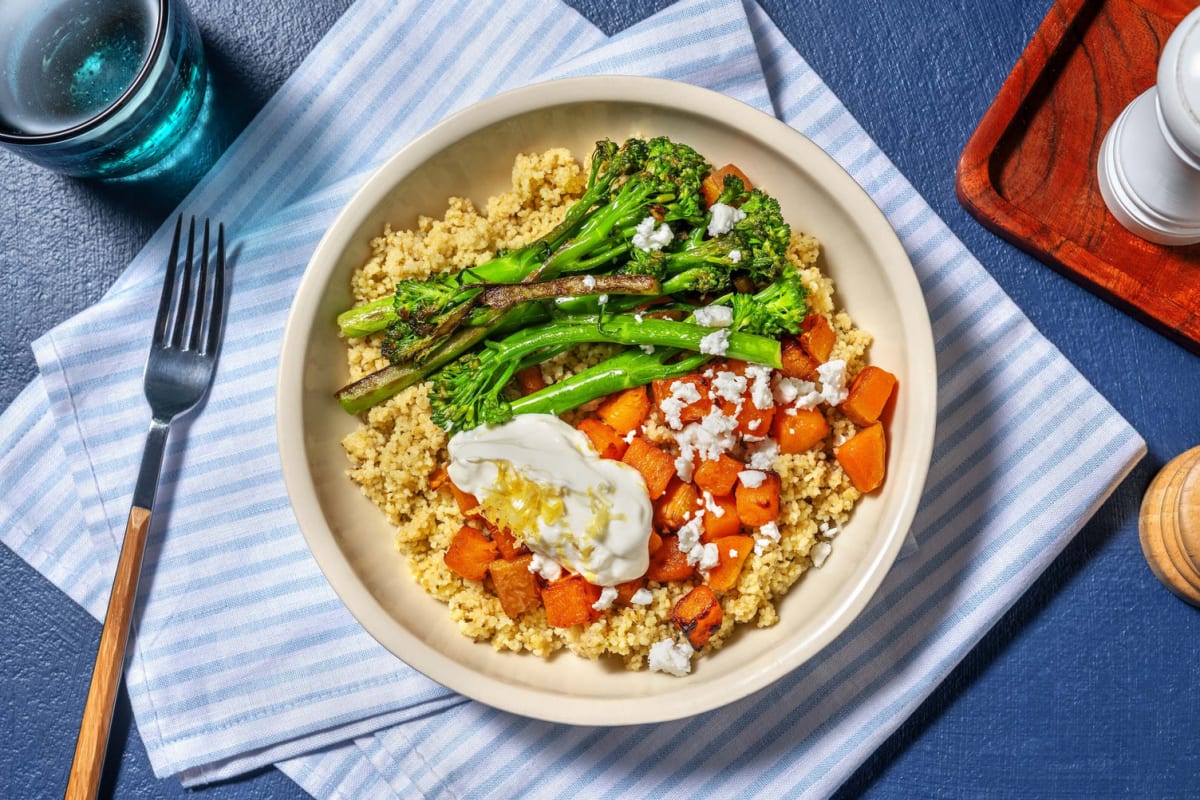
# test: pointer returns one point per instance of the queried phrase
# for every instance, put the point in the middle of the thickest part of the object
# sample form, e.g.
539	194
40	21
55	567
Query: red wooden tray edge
978	194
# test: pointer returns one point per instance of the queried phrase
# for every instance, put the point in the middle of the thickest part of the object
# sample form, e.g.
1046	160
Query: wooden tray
1029	170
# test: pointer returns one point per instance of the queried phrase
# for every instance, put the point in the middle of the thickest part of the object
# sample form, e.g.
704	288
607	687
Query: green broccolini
470	391
754	248
625	185
444	330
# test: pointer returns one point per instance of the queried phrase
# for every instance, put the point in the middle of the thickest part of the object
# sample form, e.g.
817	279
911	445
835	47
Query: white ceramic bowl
470	154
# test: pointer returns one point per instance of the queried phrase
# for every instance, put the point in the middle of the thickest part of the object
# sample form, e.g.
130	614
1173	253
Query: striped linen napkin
243	655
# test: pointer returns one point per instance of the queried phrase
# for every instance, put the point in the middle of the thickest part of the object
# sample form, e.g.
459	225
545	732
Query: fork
179	371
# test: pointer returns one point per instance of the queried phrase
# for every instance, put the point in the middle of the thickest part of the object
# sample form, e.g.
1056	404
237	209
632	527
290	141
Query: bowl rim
687	700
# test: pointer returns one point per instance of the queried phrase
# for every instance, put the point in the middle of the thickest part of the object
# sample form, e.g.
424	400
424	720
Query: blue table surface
1085	688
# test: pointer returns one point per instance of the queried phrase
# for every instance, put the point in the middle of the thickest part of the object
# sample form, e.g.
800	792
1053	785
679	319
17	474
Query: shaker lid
1179	89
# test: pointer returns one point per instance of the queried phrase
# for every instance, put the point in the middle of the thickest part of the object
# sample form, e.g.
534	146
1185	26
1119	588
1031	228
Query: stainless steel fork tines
179	371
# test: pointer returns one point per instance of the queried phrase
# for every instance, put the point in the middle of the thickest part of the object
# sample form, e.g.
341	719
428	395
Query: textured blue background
1086	688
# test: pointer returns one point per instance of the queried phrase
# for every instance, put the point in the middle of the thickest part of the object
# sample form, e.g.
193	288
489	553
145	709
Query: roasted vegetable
471	553
698	615
868	395
515	585
569	601
758	505
656	466
732	552
864	457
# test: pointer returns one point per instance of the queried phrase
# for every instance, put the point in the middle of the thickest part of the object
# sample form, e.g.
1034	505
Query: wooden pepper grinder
1149	164
1169	525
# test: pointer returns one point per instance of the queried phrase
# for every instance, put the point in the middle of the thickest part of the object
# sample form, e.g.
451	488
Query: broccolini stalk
373	389
419	301
467	393
779	308
625	370
368	318
624	184
377	387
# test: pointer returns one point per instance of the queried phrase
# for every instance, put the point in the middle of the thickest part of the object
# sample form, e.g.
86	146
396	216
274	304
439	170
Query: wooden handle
84	780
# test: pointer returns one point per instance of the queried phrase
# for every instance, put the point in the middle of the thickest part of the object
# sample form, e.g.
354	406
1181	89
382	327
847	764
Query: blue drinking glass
111	89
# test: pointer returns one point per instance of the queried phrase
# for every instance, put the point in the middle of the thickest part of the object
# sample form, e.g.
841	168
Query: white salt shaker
1149	165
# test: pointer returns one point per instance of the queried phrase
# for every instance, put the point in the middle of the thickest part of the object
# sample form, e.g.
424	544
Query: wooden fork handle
84	780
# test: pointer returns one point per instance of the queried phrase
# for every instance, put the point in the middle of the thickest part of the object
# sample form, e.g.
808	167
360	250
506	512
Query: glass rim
156	44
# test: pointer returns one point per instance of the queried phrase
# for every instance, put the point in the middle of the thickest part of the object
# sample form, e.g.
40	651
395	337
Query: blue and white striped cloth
243	656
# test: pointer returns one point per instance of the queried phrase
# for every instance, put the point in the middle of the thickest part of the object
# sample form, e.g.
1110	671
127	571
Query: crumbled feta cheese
709	438
833	381
690	533
724	217
762	454
760	390
728	386
684	468
716	343
642	597
630	436
682	394
829	530
714	316
788	389
671	657
589	282
819	553
704	556
807	401
685	391
721	427
546	567
735	256
711	505
639	316
607	595
753	424
752	478
602	299
767	535
647	237
733	553
648	349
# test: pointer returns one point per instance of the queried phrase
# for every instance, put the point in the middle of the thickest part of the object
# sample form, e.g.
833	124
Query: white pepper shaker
1149	165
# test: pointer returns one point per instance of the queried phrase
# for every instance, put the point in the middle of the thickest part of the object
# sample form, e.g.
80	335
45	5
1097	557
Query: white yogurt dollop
543	480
